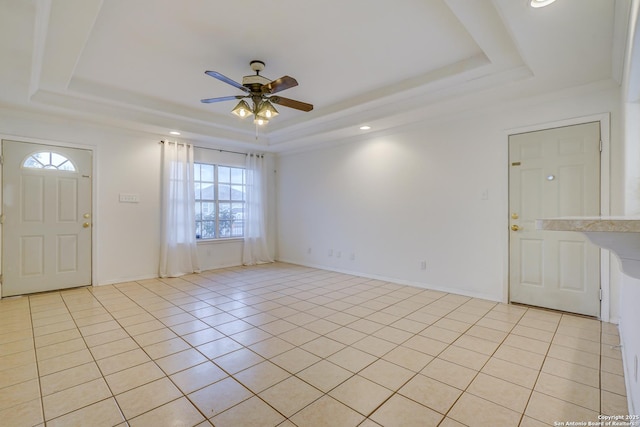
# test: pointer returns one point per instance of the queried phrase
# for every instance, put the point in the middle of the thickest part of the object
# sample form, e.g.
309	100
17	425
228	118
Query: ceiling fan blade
291	103
284	82
222	98
226	79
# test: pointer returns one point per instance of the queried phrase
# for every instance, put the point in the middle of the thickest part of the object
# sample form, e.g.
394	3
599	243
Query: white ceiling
140	63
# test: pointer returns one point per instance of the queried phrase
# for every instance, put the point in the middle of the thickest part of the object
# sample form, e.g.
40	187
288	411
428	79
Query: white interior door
554	173
46	195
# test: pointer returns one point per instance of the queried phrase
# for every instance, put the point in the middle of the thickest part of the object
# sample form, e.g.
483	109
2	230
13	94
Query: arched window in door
49	160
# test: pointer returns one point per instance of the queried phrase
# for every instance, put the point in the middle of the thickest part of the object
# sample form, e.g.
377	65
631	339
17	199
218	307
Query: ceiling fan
260	91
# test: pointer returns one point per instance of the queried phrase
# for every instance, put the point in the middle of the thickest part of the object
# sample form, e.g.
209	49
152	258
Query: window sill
205	242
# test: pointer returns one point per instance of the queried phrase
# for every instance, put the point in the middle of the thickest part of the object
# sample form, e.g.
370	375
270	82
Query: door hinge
1	160
601	146
1	218
600	294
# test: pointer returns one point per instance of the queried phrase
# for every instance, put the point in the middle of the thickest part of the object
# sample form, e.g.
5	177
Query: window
49	160
219	196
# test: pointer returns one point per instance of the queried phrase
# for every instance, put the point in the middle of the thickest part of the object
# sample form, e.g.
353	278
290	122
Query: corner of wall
630	344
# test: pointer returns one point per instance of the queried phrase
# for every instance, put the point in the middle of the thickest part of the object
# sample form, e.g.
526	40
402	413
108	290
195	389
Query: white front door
554	173
46	206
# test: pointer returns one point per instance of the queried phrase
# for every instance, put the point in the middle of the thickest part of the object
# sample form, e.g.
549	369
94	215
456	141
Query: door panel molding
67	188
605	199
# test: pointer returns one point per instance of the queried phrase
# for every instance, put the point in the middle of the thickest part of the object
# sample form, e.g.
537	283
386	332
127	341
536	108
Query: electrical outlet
352	257
330	253
338	254
423	265
309	251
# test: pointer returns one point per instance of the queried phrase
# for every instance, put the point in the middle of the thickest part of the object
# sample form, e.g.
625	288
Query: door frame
605	197
94	214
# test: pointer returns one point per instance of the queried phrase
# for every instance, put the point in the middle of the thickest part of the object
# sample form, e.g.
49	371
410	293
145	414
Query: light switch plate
129	198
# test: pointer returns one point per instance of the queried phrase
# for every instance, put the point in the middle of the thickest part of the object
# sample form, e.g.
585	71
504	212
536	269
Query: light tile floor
284	345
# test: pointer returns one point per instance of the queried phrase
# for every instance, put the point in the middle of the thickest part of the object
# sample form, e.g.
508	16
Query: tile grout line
150	358
113	396
229	375
480	370
547	356
354	374
395	392
321	291
35	356
533	386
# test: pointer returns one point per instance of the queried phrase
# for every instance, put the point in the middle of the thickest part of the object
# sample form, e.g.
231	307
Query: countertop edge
591	224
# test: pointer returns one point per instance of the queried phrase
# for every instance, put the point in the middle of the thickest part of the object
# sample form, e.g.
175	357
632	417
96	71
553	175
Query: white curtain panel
255	249
178	250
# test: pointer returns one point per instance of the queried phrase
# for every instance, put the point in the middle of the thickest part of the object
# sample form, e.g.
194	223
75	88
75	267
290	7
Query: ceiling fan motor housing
254	79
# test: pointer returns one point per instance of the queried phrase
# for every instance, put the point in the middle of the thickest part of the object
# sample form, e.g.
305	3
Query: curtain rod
218	149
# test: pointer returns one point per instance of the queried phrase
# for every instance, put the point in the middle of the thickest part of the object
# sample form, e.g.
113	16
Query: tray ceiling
140	64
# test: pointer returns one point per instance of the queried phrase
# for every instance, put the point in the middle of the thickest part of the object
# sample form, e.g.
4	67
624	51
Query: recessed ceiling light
540	3
173	132
365	127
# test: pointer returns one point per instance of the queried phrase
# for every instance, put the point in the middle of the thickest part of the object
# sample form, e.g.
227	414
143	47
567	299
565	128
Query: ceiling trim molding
58	54
67	78
41	26
621	28
631	79
116	115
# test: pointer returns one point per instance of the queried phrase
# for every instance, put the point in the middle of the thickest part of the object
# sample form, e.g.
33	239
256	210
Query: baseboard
398	281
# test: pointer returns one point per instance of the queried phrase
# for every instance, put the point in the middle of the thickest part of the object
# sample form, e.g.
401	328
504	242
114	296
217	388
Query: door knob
85	225
515	227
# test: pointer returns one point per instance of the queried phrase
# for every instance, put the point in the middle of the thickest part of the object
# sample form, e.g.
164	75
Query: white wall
391	202
630	290
417	194
630	340
126	235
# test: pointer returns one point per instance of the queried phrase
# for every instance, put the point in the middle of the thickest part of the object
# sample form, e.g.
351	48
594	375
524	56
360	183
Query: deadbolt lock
514	216
86	215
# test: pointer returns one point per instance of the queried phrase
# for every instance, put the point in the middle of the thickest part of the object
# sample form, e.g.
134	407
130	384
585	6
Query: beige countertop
618	234
612	224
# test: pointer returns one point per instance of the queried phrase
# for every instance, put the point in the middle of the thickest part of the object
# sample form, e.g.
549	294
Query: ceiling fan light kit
242	110
267	110
259	89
